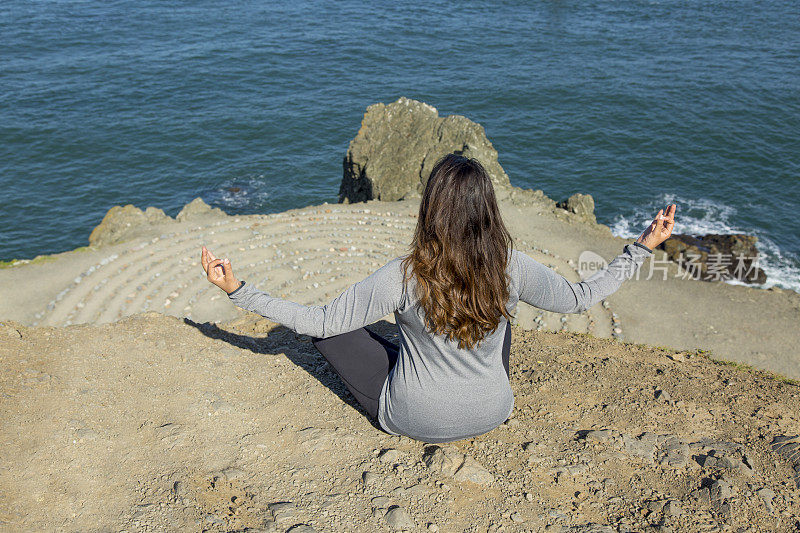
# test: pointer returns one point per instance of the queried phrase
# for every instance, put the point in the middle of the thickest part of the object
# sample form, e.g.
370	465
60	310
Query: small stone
390	456
642	447
433	528
673	508
742	465
417	490
212	519
369	478
656	505
662	395
178	491
443	459
399	492
674	453
535	460
708	461
720	489
766	496
398	518
473	471
702	494
221	406
381	502
86	434
516	517
282	511
598	435
231	472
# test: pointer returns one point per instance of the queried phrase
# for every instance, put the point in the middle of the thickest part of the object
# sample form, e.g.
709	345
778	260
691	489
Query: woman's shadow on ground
299	350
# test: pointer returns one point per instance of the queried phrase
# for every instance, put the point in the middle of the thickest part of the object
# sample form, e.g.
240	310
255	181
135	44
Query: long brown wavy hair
459	252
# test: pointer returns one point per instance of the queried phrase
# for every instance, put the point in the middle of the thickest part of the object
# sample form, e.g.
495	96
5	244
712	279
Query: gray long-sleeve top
437	392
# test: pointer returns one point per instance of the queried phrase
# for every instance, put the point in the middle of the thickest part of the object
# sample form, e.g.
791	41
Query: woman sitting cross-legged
452	297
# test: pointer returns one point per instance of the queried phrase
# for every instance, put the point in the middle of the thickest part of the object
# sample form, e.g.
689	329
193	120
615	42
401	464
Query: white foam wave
698	216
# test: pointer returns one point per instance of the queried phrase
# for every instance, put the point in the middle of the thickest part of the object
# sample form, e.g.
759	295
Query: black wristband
236	289
637	243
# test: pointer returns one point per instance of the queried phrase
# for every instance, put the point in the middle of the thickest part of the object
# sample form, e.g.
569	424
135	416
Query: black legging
363	359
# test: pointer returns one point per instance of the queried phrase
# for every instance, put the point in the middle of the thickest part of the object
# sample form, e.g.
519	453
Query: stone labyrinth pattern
308	257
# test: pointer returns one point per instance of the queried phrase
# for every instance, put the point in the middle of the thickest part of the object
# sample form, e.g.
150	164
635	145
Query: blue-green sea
637	103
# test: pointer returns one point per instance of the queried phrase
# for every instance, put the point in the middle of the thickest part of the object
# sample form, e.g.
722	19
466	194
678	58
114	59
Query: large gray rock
124	222
398	144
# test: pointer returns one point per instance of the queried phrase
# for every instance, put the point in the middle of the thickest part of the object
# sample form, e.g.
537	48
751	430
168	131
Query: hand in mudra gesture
219	271
660	229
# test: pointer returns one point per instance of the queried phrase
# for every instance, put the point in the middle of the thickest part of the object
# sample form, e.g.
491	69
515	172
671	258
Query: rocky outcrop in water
580	204
398	144
715	257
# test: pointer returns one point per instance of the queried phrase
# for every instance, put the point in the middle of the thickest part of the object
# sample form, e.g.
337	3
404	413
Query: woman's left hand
219	271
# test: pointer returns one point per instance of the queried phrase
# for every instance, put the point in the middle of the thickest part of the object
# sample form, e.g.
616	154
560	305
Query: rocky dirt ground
156	423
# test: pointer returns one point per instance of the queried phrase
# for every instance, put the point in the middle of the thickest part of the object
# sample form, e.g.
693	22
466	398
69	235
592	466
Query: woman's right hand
219	271
660	229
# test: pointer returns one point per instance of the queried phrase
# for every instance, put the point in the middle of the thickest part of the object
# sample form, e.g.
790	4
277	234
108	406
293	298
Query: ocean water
637	103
